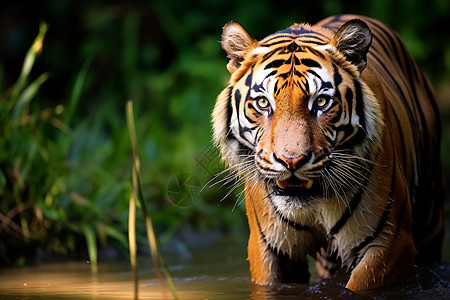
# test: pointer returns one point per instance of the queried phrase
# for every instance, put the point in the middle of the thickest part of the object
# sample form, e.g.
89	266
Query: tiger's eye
263	102
321	102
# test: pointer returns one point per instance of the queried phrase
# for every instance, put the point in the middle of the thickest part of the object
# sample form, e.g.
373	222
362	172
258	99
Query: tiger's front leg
273	253
264	267
382	265
391	255
268	266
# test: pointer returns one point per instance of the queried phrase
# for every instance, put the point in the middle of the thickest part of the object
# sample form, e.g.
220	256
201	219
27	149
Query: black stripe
348	212
249	79
259	135
290	223
380	38
388	73
326	85
417	107
315	42
313	36
359	104
262	167
396	44
352	206
292	47
337	78
270	54
391	41
286	39
317	75
311	63
382	220
229	106
237	98
259	226
276	90
304	85
402	138
296	226
370	238
404	102
284	75
314	51
338	115
237	104
349	98
250	120
276	64
413	84
353	136
271	73
299	31
263	158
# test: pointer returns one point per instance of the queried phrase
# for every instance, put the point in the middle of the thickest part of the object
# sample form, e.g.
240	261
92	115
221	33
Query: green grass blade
27	95
155	250
132	241
76	92
30	58
89	235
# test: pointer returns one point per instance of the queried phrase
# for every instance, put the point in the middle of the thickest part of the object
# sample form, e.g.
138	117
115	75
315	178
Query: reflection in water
73	281
219	272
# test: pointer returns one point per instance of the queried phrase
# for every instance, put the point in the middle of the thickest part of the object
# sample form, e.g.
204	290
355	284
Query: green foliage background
65	172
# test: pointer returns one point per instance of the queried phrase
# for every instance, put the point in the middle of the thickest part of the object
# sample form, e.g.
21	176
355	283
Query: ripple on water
217	273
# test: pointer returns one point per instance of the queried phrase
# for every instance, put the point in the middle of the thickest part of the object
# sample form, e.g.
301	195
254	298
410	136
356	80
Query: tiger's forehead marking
299	32
289	65
293	66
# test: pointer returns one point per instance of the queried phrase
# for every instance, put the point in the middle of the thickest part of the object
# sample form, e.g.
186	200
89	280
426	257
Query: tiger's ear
236	42
353	39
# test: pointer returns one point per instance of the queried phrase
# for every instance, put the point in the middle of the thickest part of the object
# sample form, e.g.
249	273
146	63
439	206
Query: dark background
69	178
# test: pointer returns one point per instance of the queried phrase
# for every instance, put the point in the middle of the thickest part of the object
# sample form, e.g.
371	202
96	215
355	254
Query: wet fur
379	182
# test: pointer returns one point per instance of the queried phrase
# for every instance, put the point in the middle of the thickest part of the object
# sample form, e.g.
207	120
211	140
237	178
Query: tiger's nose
292	163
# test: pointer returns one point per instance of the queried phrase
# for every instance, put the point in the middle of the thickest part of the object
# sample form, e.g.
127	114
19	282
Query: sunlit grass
136	193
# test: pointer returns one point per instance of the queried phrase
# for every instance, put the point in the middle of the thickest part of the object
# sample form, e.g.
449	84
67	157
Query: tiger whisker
354	176
229	169
256	183
344	154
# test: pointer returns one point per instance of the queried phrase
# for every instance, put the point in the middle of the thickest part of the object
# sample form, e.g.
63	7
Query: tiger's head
296	118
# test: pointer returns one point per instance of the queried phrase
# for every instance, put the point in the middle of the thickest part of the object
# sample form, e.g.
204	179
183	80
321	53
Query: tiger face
296	113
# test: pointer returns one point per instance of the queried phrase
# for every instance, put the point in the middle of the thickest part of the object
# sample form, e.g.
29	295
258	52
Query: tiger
336	133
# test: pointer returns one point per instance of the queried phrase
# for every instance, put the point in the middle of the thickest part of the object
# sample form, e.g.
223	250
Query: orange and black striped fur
336	132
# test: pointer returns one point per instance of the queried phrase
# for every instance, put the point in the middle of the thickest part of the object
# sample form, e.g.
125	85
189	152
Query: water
215	272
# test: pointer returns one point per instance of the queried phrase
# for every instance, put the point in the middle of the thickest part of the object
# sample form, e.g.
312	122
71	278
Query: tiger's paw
326	264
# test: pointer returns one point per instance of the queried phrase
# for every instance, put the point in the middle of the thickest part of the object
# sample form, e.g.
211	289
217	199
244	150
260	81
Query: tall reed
136	193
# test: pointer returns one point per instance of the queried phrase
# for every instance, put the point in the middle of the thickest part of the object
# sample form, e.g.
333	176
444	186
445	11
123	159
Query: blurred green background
65	153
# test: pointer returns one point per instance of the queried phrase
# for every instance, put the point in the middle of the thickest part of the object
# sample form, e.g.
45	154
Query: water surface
215	272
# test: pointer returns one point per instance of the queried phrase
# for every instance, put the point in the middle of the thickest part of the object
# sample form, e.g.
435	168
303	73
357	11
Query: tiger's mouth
298	189
294	181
